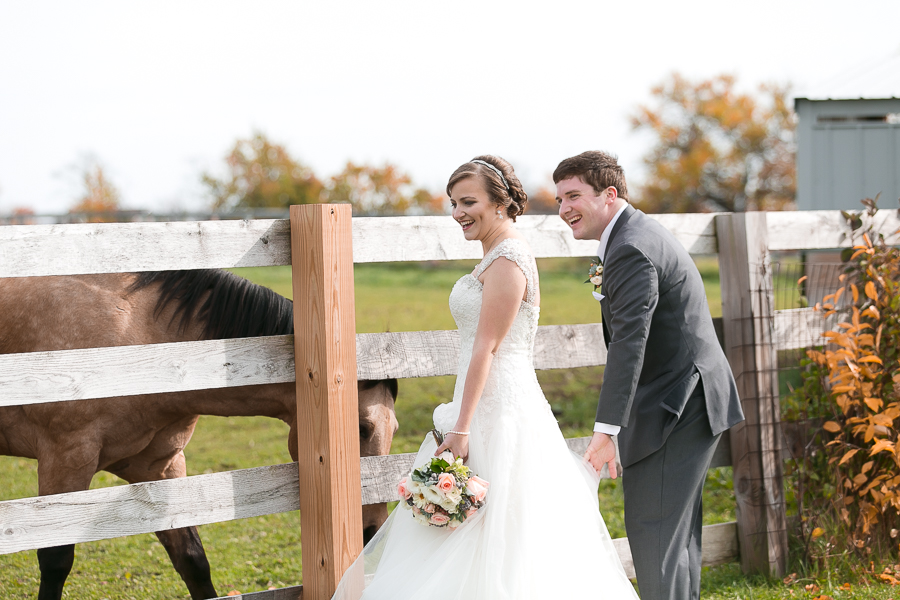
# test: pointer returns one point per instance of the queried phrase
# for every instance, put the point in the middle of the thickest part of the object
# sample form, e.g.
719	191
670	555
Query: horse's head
377	422
377	425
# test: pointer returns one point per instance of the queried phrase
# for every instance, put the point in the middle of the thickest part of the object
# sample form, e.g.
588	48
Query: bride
540	534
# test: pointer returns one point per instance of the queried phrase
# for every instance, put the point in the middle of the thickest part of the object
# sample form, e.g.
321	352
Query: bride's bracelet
459	432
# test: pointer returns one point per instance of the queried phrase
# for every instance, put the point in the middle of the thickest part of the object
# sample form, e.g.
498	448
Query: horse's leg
189	558
183	545
54	477
164	459
56	564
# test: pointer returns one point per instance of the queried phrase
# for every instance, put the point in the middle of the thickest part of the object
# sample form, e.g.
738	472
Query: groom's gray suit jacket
660	339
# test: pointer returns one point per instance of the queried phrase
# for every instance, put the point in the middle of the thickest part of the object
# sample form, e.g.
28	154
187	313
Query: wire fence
801	281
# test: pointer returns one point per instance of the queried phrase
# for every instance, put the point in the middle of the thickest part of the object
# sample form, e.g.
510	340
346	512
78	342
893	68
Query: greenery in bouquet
443	492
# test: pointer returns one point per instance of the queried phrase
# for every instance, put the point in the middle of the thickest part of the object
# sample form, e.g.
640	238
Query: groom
668	392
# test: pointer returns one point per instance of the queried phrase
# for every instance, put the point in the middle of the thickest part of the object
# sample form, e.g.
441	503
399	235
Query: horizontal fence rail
138	508
822	229
38	250
66	375
34	250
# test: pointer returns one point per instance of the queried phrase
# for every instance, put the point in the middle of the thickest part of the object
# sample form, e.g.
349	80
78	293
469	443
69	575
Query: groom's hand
602	451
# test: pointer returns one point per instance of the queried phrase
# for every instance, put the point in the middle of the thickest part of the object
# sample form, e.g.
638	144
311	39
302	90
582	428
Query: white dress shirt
601	254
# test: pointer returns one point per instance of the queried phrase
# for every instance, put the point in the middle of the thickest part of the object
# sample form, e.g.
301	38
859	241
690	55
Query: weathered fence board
379	476
434	353
393	239
799	328
65	375
146	507
719	546
406	354
34	250
569	346
38	250
820	229
696	233
295	592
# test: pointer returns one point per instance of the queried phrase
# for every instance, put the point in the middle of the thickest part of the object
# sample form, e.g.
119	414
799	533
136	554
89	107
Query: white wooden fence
753	331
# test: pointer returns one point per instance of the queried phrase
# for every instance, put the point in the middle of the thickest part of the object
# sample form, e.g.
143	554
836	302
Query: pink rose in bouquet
439	519
403	490
446	482
477	488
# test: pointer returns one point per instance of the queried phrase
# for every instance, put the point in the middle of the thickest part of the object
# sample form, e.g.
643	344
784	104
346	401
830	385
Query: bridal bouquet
443	492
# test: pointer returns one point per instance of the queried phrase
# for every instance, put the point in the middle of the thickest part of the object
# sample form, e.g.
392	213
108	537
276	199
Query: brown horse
142	438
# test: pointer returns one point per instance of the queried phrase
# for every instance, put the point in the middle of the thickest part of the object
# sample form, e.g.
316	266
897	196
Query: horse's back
78	311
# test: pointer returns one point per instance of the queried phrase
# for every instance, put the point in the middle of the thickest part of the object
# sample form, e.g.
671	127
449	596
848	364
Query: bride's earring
499	216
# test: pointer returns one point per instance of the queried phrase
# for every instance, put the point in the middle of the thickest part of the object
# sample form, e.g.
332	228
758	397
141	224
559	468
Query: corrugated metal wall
847	150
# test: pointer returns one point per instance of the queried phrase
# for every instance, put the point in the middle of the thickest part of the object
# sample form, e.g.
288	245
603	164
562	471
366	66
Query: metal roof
873	80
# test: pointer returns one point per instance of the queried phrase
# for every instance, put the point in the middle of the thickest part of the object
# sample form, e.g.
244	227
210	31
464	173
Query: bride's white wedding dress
540	534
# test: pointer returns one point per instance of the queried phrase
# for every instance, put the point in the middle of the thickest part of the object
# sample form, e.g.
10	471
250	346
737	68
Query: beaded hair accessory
494	169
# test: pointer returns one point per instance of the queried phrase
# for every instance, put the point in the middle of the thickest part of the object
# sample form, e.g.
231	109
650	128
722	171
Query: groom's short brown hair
597	169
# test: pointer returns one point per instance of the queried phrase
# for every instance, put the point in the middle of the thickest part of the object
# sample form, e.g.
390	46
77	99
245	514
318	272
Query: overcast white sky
159	91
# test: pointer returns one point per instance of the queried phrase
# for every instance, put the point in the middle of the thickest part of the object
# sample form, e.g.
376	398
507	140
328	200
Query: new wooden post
748	314
327	409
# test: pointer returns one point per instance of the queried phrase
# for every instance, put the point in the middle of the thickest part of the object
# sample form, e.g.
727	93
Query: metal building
849	139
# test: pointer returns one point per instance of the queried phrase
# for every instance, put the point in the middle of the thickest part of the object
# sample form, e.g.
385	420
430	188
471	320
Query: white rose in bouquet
451	502
432	495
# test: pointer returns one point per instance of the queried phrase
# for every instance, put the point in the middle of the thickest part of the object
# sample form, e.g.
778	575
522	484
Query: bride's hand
458	445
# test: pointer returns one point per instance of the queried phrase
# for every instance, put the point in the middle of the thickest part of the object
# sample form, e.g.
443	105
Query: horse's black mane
233	307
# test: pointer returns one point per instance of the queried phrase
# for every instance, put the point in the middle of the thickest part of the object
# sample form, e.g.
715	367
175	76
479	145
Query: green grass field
255	554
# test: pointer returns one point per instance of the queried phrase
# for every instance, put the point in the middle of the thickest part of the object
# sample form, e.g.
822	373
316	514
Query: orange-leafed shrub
855	376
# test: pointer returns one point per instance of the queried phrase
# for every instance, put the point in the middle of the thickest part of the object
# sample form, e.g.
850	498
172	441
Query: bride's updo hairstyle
502	185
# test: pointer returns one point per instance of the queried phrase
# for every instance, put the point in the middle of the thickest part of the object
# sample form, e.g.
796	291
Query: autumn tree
384	190
717	149
542	201
262	174
99	197
21	215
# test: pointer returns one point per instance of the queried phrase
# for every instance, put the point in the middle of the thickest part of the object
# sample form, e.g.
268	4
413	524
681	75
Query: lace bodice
465	299
512	377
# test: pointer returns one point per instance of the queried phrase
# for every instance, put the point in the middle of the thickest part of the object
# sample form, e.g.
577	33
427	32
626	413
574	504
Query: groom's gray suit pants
664	506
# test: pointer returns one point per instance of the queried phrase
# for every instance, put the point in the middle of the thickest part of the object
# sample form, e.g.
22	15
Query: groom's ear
610	194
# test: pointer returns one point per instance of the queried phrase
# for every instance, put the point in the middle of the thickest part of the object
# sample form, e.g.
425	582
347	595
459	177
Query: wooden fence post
327	409
748	313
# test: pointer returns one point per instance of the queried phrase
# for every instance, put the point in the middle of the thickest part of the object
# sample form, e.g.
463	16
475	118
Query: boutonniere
595	274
